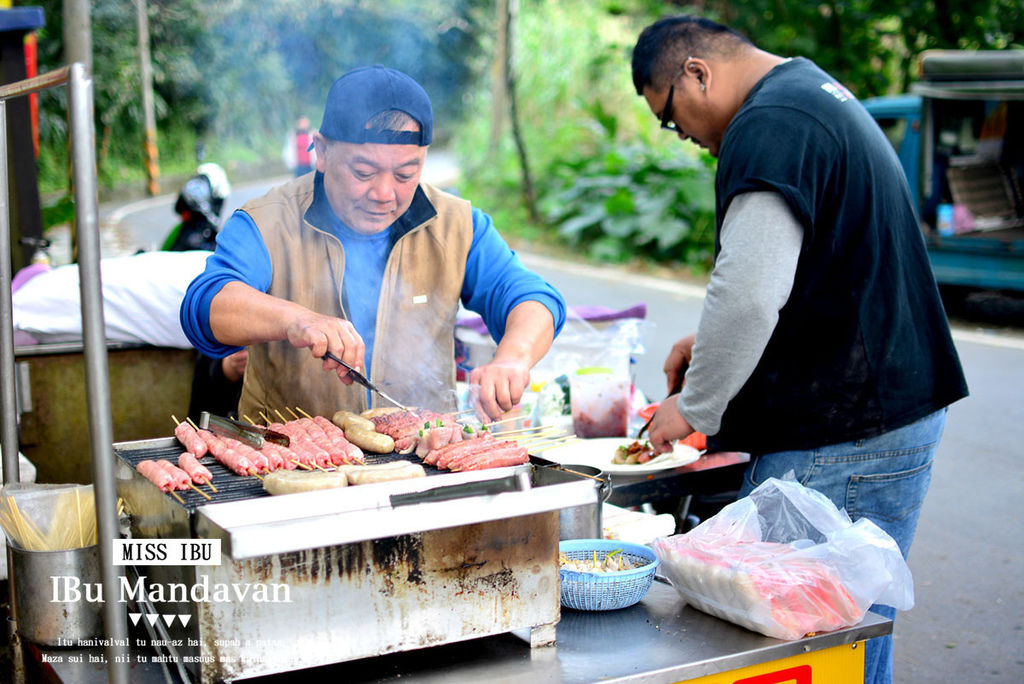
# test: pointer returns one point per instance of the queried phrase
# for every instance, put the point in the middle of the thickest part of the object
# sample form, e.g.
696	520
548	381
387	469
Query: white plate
599	452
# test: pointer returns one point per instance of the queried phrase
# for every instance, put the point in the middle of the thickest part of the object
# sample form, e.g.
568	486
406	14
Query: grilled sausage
296	481
369	440
347	419
383	411
385	472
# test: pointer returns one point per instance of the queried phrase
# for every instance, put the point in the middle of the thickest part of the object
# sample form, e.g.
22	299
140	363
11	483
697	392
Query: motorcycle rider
199	205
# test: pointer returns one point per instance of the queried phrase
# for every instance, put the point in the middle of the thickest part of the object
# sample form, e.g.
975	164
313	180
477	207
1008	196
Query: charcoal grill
370	570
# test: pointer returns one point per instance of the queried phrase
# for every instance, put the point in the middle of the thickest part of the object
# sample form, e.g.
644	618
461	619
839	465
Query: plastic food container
600	404
606	590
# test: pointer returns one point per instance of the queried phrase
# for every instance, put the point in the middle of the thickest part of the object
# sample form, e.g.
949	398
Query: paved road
968	558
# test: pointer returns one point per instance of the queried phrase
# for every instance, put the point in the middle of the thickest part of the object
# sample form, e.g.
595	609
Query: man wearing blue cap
362	260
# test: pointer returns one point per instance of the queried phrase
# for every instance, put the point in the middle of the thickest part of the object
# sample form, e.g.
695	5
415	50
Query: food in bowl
613	561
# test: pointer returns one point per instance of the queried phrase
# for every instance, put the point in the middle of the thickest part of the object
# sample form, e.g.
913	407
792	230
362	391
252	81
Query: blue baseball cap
362	93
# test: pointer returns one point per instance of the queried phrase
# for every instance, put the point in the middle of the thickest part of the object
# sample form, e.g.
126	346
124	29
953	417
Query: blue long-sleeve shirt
495	279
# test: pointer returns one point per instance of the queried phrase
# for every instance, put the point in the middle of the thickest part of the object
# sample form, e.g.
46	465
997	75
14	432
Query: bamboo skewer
542	434
574	472
268	421
209	484
256	475
284	420
537	428
569	439
175	495
530	439
208	497
302	412
190	422
289	410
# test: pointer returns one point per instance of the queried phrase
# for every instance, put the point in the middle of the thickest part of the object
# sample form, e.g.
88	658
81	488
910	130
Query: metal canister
50	591
585	522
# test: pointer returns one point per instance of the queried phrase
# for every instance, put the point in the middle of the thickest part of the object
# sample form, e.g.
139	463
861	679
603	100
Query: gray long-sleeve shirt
750	283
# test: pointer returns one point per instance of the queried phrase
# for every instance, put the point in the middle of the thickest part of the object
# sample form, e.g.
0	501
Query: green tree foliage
605	169
237	74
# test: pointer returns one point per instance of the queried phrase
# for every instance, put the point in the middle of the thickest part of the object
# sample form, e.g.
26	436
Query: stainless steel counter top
658	640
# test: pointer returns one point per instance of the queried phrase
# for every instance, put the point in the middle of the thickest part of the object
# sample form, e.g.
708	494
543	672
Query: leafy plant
625	199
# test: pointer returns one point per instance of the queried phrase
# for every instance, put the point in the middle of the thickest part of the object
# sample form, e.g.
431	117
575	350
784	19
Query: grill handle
511	483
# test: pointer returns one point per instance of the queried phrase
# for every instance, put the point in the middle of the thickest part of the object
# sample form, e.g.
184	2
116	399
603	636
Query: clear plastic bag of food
48	517
786	562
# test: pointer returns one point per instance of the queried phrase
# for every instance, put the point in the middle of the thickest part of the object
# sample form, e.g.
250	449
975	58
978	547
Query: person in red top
303	143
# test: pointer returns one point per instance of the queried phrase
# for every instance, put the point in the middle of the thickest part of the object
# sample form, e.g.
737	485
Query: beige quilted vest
413	355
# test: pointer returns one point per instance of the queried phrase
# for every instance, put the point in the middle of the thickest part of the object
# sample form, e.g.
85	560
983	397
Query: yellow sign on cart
836	665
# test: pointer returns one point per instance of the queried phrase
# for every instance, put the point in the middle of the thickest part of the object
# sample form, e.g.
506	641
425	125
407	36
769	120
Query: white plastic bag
786	562
142	294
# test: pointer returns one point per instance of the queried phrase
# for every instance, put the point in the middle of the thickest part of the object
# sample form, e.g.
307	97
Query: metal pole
9	420
101	433
148	110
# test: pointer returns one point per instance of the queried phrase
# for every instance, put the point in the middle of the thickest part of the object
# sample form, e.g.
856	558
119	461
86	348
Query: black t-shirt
863	345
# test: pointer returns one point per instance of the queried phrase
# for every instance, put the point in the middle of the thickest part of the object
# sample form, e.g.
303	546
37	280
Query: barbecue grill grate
230	487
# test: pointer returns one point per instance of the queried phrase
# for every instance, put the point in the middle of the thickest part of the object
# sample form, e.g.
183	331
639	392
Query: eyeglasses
666	113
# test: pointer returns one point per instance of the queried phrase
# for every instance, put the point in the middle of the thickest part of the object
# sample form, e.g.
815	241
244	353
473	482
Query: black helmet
197	197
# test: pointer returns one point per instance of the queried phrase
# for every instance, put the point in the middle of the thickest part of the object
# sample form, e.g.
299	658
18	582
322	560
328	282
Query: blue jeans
883	478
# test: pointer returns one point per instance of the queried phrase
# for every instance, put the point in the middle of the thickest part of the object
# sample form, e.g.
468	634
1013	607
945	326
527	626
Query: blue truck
959	134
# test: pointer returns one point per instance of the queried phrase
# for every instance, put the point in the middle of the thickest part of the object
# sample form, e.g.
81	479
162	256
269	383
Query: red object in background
31	70
697	440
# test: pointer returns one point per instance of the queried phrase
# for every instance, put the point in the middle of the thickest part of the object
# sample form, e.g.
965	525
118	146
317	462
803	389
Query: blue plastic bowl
605	590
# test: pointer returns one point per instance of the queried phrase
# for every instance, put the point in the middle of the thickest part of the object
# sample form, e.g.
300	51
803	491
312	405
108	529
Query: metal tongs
253	435
361	379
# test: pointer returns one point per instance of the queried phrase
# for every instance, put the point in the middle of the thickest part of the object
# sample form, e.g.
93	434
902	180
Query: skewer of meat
155	474
199	473
260	461
342	449
442	456
182	480
309	454
299	455
289	460
505	456
186	434
226	456
322	459
404	426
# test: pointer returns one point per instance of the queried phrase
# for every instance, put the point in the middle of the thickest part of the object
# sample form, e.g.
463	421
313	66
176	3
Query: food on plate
298	481
613	561
635	453
370	440
347	420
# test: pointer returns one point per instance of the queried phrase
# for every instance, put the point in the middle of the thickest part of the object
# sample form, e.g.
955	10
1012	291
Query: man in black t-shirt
823	348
